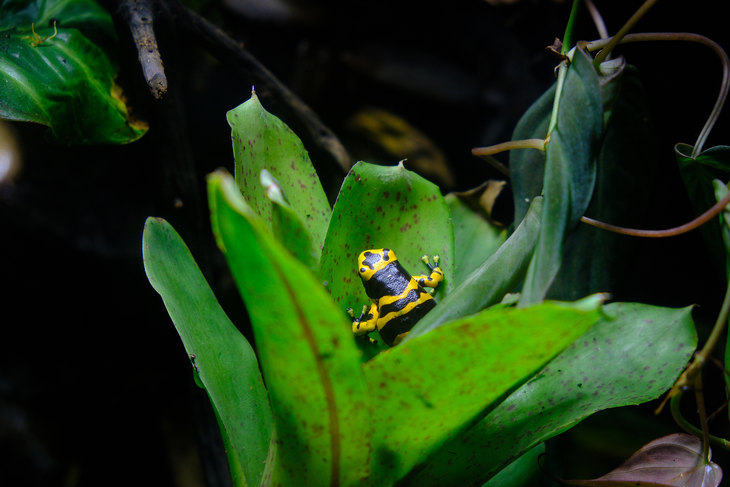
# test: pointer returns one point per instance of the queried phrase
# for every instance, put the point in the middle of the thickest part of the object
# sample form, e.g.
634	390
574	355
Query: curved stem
597	19
700	400
671	232
615	40
690	428
687	37
692	377
717	330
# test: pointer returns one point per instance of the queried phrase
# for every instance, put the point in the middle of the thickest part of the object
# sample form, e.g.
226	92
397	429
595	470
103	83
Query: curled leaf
675	460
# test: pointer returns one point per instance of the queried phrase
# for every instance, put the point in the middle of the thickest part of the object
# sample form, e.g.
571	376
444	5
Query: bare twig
140	16
222	45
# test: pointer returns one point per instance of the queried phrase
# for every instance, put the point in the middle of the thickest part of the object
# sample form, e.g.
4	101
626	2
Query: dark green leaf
433	387
62	80
626	166
527	166
570	172
222	359
262	141
629	357
308	356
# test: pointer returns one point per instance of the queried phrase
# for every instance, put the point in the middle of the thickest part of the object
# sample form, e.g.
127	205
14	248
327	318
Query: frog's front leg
436	276
367	322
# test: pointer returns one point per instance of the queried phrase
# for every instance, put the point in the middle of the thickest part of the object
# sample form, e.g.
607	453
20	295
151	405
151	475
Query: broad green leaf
431	388
488	284
309	359
63	80
223	361
385	207
262	141
570	173
629	357
475	238
627	148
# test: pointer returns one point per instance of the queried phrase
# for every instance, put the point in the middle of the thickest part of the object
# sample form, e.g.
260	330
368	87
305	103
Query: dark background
95	387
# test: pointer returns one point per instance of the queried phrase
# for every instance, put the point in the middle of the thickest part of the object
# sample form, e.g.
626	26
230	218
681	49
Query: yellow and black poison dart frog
399	299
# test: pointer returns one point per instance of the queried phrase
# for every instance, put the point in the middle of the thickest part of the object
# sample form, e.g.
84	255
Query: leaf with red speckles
262	141
433	387
310	363
385	207
671	461
631	356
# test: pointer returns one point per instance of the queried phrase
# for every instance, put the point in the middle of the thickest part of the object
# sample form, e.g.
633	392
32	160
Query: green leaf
475	238
629	357
570	172
488	284
527	166
627	148
223	361
308	356
262	141
433	387
63	80
385	207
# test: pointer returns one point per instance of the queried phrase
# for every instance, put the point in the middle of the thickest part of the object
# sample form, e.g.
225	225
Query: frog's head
371	261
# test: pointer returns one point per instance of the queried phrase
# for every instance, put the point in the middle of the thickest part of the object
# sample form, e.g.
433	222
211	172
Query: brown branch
139	16
224	46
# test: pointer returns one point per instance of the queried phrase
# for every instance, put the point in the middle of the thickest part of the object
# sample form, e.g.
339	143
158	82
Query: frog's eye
362	270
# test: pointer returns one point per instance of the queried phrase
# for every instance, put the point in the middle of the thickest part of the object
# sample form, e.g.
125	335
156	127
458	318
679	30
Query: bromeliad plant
334	413
479	383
